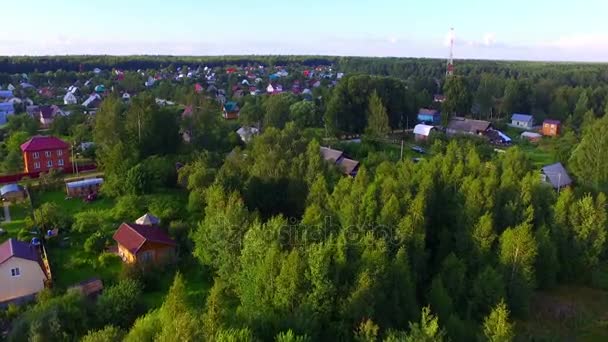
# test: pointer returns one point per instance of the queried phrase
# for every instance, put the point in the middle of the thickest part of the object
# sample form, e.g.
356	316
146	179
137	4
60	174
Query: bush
108	259
90	220
119	305
599	277
128	208
95	243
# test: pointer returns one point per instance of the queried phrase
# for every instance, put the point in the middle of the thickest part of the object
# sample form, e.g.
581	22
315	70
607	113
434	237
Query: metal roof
10	188
424	130
557	175
522	117
84	182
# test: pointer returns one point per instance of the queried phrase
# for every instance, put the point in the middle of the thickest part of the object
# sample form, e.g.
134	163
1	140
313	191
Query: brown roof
133	236
329	154
349	166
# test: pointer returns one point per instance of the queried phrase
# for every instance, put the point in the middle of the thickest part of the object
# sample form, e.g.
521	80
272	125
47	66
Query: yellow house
22	272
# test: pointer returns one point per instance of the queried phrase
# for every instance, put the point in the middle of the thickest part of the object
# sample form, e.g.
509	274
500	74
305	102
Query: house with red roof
22	272
141	243
41	154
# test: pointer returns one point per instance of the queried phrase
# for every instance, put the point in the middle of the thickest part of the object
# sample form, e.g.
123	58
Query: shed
531	136
556	175
83	187
88	288
422	131
551	128
522	121
12	193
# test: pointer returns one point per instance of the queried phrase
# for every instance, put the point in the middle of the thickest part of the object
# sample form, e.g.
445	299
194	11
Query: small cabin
429	116
83	188
551	128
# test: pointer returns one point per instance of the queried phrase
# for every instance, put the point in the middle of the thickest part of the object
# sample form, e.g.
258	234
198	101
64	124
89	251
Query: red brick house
41	154
144	243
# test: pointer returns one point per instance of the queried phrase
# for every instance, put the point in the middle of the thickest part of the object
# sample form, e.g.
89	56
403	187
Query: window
59	153
36	165
36	155
146	256
15	272
49	163
60	162
47	154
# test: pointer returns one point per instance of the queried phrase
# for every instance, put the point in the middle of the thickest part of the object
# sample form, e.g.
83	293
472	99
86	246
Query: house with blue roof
6	109
524	121
429	116
6	94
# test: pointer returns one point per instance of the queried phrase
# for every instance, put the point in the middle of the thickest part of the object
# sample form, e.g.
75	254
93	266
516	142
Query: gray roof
557	175
84	182
522	117
148	220
424	130
462	125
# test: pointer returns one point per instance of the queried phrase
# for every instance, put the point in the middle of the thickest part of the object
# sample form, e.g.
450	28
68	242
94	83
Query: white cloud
578	41
489	39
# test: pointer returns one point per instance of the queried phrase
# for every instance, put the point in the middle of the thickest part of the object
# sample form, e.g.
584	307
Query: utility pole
401	157
450	65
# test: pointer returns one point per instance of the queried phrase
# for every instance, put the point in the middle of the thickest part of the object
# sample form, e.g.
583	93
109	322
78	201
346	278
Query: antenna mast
450	66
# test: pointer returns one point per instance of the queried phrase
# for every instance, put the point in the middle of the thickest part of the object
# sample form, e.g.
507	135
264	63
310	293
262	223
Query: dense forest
455	246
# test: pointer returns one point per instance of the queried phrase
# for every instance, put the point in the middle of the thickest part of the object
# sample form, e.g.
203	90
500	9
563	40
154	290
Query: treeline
28	64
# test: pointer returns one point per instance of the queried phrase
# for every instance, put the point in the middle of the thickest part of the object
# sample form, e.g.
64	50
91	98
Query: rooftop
42	143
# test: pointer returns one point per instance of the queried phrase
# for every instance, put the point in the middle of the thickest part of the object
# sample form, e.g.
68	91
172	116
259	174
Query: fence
4	179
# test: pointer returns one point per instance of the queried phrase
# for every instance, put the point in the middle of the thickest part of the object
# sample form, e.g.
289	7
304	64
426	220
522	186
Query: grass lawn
69	206
19	212
537	154
568	313
71	264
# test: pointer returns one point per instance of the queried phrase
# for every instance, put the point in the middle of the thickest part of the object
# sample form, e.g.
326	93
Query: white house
246	133
22	271
524	121
270	89
69	99
126	96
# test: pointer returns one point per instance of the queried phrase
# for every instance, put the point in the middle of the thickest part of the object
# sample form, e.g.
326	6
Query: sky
552	30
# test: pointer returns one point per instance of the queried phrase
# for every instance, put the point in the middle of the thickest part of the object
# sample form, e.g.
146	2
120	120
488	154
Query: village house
429	116
139	243
422	132
246	133
6	109
524	121
459	125
231	110
46	114
556	175
6	94
41	154
70	99
22	271
348	166
551	128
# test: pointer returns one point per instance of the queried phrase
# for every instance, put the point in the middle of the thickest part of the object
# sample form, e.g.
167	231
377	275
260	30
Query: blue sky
513	29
